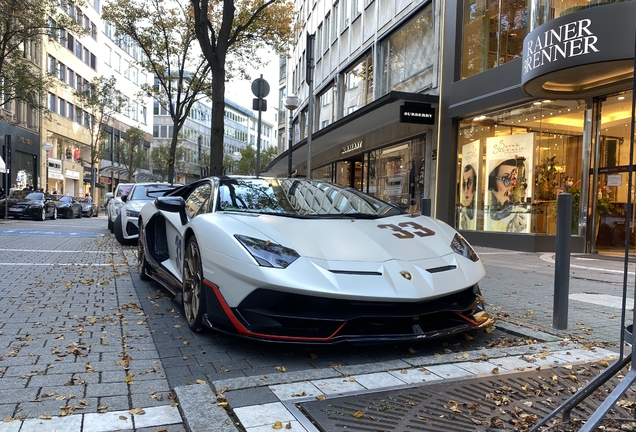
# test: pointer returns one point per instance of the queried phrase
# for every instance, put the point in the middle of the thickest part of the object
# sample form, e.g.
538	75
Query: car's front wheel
42	215
142	264
119	233
193	295
54	217
110	224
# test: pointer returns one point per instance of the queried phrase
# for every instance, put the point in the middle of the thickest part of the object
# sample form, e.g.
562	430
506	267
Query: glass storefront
514	163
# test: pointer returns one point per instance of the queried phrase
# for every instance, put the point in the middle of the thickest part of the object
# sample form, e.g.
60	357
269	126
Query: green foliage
159	159
247	164
23	23
131	152
164	31
547	180
230	33
102	101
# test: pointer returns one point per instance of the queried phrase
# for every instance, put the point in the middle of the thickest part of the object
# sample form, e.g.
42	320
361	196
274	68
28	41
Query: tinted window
198	201
123	190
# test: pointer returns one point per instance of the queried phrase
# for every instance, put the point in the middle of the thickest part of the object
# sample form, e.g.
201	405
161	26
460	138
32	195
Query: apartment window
155	131
78	116
134	75
78	83
144	115
344	4
135	110
93	62
334	22
408	56
319	42
126	69
52	102
62	105
87	56
109	53
70	110
61	70
52	65
327	31
357	7
78	50
71	78
93	31
70	42
117	64
108	29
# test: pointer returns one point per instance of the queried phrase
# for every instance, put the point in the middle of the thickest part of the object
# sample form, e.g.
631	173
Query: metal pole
7	167
258	142
310	100
562	262
290	142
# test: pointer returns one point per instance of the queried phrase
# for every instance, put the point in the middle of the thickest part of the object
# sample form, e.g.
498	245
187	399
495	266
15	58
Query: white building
374	60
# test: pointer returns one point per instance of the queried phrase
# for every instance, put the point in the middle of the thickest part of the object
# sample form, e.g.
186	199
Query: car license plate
15	209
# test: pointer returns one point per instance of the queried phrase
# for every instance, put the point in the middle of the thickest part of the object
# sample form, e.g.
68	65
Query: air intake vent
441	269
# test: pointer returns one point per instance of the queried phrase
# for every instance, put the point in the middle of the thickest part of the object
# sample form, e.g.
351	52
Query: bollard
426	206
562	262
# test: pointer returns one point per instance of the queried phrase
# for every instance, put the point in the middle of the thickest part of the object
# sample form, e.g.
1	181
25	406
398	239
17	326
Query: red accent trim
475	323
245	332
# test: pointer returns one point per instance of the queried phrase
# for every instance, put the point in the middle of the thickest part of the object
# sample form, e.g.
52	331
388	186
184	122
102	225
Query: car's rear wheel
193	295
90	212
142	264
110	225
54	214
119	233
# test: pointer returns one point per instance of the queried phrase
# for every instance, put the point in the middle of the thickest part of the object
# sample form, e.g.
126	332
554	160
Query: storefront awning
378	114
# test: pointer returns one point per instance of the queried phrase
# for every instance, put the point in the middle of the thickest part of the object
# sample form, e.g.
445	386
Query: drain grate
513	402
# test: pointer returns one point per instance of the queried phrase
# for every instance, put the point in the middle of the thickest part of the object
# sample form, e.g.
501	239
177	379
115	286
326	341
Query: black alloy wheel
54	217
193	294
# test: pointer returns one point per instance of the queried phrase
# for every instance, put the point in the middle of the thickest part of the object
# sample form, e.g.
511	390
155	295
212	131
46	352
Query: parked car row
301	261
42	206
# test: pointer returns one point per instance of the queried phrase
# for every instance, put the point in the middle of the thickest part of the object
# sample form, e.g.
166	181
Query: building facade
537	100
366	72
528	99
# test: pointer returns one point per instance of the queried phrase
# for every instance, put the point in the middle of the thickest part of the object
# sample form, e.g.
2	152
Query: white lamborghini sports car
307	261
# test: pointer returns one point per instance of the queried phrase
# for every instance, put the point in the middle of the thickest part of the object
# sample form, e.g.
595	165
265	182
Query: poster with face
467	208
509	183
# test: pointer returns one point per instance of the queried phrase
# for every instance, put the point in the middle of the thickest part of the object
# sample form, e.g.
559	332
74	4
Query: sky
241	91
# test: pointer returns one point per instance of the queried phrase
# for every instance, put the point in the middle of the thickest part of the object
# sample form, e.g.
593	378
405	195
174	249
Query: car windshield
123	190
35	196
139	193
299	197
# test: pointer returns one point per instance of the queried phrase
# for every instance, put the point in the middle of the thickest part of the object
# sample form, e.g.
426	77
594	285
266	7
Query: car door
197	201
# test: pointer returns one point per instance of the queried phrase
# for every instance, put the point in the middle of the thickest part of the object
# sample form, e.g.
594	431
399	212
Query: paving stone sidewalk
76	352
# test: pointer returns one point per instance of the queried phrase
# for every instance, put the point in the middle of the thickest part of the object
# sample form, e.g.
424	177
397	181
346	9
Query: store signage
417	113
351	147
590	42
72	174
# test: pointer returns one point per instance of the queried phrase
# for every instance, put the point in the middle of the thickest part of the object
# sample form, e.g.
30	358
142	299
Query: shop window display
513	163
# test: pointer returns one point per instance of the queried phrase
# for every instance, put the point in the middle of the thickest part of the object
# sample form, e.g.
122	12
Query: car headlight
132	213
268	254
460	246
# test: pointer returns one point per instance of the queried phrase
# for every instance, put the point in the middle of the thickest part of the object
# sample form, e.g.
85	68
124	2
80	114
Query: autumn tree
230	34
23	25
131	151
160	160
247	164
100	101
164	31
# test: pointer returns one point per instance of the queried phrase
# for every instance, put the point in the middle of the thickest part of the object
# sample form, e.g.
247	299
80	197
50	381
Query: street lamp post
291	103
236	157
47	146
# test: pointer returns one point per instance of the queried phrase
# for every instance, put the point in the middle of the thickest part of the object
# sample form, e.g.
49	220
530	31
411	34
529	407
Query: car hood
402	237
135	205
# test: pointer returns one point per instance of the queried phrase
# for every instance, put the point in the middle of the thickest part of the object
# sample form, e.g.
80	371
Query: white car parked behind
126	226
115	203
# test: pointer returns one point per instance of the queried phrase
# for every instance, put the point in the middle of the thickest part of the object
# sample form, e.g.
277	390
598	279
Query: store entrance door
609	193
349	173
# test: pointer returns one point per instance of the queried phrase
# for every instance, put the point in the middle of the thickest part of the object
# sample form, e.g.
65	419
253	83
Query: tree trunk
218	119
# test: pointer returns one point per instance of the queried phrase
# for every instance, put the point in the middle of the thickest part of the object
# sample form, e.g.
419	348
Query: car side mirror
124	198
173	204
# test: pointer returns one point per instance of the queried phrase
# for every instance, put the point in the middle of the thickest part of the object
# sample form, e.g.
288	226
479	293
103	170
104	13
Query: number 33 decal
414	229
